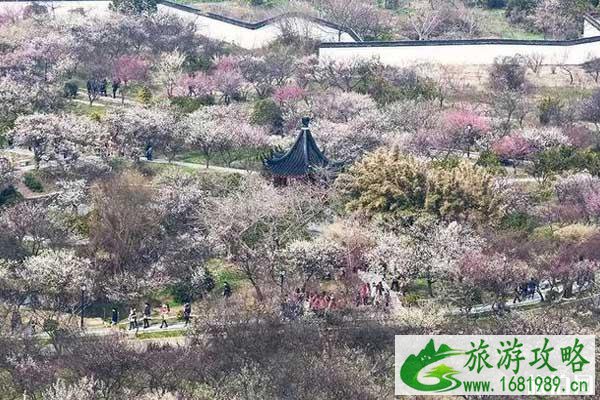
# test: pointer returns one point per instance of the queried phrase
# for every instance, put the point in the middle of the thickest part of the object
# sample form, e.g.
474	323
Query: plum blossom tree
425	250
289	98
388	259
73	194
356	237
126	228
216	130
204	134
589	110
251	224
198	85
128	69
166	73
266	73
580	192
31	227
513	147
19	98
362	16
227	78
44	58
84	389
54	138
310	259
557	18
543	138
566	271
494	273
128	130
6	173
412	115
464	129
342	106
347	142
54	278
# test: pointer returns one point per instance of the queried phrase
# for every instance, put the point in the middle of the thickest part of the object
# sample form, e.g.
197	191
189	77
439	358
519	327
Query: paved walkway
536	299
200	167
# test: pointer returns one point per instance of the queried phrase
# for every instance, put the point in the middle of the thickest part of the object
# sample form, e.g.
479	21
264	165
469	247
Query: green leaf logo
409	372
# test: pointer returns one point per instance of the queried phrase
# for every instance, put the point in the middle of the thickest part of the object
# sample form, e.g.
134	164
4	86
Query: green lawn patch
244	158
495	25
225	273
161	334
33	183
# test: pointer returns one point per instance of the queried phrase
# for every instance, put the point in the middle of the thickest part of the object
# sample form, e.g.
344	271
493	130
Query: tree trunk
259	294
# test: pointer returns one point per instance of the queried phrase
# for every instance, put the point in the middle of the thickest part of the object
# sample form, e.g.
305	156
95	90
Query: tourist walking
133	319
114	317
147	315
187	313
164	313
365	292
226	290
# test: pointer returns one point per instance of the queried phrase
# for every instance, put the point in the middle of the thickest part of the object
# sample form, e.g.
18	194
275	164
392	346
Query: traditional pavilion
300	161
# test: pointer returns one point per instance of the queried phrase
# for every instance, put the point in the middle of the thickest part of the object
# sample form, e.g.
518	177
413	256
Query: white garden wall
462	52
249	38
246	35
93	7
590	29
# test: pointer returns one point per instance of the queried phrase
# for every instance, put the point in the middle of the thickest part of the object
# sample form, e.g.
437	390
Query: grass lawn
419	288
566	93
160	334
495	25
246	159
223	272
82	109
160	168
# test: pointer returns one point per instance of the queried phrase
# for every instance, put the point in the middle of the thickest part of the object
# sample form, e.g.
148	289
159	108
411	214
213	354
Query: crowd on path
302	302
374	294
164	313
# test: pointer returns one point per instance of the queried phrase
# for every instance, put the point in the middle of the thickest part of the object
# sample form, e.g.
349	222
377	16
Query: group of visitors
300	302
526	290
99	87
375	294
164	312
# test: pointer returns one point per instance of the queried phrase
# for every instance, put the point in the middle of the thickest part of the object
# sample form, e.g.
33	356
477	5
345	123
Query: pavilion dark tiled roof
303	158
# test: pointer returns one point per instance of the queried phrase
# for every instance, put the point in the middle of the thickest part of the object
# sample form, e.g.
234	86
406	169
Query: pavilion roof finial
305	122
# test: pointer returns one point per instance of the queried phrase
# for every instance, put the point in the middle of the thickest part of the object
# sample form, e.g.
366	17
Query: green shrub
188	105
70	89
550	111
144	95
518	221
96	115
264	3
9	195
404	83
496	4
199	63
411	299
489	160
32	183
267	112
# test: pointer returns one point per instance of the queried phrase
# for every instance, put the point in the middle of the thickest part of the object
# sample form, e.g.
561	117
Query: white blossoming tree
53	138
310	259
54	279
425	250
